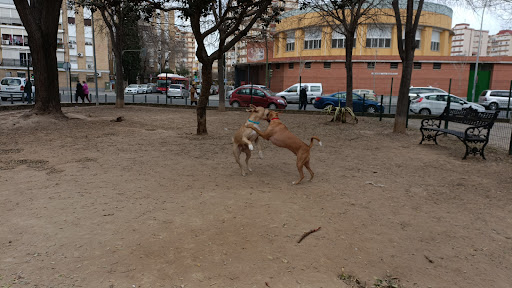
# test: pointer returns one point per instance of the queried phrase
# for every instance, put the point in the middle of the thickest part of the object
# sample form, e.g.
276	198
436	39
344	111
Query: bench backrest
470	116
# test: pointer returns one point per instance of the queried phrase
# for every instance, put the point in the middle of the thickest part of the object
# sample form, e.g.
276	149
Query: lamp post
475	77
94	55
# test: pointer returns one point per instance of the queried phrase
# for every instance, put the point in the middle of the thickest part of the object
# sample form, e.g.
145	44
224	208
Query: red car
244	96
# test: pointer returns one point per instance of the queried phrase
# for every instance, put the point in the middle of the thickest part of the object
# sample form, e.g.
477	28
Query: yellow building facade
304	33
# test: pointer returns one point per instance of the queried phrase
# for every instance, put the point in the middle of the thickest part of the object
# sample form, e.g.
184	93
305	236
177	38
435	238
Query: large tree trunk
119	78
206	71
222	88
41	22
403	95
349	42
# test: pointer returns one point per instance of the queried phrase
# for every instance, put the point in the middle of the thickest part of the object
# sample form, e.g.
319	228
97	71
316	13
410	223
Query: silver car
416	91
434	103
177	91
495	99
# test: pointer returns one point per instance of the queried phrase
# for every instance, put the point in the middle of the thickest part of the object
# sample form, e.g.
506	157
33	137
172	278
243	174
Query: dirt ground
145	202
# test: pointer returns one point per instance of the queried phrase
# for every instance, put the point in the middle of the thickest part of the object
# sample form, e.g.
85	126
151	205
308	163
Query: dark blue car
339	99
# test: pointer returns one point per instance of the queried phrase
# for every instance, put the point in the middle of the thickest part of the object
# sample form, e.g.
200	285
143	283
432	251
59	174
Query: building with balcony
465	41
188	60
74	45
500	44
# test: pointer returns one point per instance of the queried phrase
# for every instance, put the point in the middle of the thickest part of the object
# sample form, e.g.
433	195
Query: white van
291	94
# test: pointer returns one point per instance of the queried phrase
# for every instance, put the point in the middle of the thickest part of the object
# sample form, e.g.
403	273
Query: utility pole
475	78
94	54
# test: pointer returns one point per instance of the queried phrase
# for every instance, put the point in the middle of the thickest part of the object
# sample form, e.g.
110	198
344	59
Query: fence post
12	99
407	118
509	96
448	101
390	96
157	99
363	102
133	98
105	98
145	99
380	110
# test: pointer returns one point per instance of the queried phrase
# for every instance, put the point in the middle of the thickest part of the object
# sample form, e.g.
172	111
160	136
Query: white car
14	86
416	91
133	89
146	88
434	103
177	91
368	94
291	94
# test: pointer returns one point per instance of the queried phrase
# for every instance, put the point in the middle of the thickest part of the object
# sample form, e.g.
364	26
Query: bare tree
41	20
345	17
406	48
113	12
229	20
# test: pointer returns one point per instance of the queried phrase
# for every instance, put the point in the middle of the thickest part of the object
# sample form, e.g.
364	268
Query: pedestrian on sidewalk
303	97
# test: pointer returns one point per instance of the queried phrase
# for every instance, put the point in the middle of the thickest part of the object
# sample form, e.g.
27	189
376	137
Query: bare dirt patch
145	202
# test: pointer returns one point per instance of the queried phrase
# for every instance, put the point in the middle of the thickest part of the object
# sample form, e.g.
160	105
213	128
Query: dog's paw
251	147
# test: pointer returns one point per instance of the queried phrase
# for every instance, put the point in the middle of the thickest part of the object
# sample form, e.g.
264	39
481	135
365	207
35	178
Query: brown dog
280	136
245	137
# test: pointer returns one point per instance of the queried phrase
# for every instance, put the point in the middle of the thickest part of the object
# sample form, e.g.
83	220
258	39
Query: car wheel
312	101
425	111
493	106
371	109
272	106
235	104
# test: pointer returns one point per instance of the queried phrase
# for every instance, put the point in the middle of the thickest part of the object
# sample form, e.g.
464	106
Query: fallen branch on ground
307	234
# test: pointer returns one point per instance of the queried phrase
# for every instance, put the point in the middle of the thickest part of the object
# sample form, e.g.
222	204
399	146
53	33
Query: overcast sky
463	15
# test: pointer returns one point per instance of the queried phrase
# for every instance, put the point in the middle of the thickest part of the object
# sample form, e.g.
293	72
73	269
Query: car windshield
132	86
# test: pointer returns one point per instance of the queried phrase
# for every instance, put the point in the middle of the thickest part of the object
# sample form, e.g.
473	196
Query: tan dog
245	137
280	136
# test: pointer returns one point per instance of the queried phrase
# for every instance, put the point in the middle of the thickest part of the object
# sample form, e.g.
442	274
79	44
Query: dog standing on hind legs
245	137
280	136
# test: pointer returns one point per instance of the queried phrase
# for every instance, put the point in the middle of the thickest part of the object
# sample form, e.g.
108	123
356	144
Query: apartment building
188	59
500	44
74	45
466	40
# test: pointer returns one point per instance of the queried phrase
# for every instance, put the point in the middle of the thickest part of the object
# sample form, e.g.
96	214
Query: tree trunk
119	78
348	67
41	23
222	88
403	95
206	71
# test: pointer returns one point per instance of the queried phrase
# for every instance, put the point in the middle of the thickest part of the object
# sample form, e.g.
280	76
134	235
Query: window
378	37
417	38
258	93
338	40
21	74
17	40
436	39
292	89
71	20
313	38
437	66
290	41
290	66
315	89
327	65
393	66
6	39
72	40
25	59
371	65
417	65
89	78
74	78
278	66
87	22
245	91
307	65
88	41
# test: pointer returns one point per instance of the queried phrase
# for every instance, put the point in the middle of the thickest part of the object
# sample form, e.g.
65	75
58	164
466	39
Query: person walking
28	90
303	97
193	93
86	91
79	92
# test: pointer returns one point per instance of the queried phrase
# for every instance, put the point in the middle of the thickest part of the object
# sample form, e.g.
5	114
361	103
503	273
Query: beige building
465	41
74	45
188	59
500	44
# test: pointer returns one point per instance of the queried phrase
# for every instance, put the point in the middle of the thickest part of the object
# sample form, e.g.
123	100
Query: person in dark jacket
303	97
79	92
28	90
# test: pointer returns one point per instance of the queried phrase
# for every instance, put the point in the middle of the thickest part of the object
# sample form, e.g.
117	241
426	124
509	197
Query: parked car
495	99
146	88
291	94
416	91
214	90
14	86
435	103
244	96
133	89
368	94
339	99
177	91
254	86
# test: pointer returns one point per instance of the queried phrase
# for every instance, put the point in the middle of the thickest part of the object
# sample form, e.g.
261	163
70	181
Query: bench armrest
481	131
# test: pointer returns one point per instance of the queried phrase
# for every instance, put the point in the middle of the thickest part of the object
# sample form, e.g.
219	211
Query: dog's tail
315	138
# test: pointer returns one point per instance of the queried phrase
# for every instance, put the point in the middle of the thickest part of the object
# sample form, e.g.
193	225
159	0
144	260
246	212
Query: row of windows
87	22
370	43
369	65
